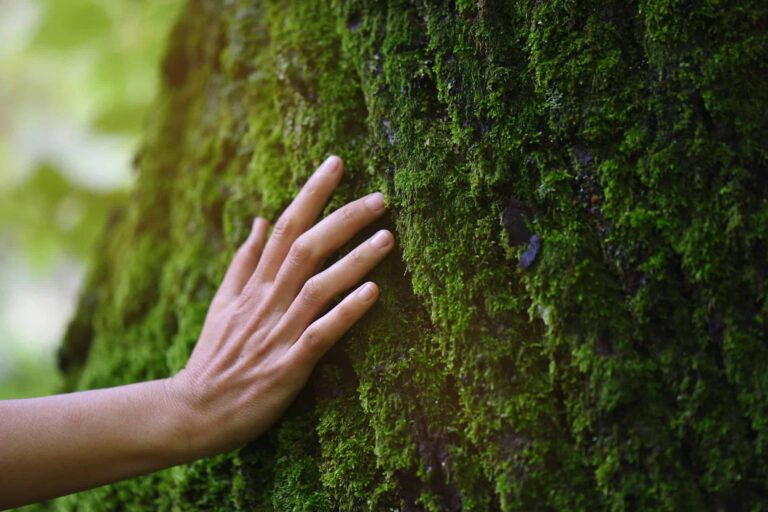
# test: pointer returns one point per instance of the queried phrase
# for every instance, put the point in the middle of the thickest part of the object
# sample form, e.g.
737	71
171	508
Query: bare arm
65	443
261	339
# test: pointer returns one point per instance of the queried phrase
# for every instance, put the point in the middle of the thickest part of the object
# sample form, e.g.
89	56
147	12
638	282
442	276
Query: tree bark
577	314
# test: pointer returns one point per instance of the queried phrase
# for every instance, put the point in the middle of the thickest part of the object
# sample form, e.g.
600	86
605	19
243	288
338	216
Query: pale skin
264	332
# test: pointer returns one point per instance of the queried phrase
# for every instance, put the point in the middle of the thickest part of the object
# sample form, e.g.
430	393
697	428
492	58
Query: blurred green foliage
92	63
122	40
31	376
50	215
76	78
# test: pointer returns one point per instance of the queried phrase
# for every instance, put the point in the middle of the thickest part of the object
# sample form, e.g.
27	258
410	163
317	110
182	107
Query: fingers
326	330
311	248
244	262
298	217
341	276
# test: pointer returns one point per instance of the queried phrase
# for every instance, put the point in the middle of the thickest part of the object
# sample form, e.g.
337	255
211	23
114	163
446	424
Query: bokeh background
76	80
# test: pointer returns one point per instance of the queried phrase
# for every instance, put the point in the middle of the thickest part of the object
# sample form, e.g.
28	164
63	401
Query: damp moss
622	369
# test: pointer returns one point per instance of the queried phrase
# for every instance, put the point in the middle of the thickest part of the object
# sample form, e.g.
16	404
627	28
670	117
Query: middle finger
324	238
297	218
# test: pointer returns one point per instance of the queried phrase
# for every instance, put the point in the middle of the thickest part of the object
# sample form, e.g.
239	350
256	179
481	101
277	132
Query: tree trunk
576	317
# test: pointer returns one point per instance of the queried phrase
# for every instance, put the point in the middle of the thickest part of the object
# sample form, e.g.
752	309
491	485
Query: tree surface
576	316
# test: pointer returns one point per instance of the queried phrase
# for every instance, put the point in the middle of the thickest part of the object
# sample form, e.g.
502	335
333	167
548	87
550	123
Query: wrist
182	432
193	437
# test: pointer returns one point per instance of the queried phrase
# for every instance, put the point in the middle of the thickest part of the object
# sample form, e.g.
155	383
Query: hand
258	345
261	338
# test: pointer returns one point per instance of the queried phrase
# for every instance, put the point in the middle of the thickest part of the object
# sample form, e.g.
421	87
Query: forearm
61	444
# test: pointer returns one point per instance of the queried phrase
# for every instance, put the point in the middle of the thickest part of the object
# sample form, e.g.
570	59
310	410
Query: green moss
622	370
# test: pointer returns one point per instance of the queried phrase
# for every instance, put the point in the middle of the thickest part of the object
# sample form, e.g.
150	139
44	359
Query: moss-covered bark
619	366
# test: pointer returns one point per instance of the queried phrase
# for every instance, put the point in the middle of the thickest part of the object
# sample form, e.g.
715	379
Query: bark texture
577	317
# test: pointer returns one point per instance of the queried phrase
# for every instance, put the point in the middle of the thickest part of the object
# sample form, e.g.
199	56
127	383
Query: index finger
298	217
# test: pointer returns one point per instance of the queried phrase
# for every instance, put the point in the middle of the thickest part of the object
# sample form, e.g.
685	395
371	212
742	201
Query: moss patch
622	369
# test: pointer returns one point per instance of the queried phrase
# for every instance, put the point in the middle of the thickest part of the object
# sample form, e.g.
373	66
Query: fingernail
375	201
366	293
382	239
331	164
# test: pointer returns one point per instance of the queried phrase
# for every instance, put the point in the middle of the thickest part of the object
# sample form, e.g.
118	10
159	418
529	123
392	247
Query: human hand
261	337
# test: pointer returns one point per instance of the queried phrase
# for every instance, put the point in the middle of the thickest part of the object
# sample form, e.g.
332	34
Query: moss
621	370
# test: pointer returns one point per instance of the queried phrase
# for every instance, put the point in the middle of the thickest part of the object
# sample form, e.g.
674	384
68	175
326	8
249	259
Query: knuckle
275	372
243	306
237	308
311	189
313	292
313	339
252	305
357	257
347	214
301	251
283	227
